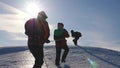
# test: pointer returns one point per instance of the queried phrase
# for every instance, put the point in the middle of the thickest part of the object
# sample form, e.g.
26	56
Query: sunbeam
33	8
14	10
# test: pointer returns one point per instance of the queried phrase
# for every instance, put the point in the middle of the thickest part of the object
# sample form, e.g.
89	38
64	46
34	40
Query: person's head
60	25
72	31
42	16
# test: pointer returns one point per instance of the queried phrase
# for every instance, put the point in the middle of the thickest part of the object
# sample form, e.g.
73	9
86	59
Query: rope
85	50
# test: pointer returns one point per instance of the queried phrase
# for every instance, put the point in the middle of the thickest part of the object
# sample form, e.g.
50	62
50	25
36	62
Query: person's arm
46	30
66	33
54	35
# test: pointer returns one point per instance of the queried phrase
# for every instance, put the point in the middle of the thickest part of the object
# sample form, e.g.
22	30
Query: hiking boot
57	64
63	61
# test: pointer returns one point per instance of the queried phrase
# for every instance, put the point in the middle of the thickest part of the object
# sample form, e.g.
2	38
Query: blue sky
97	20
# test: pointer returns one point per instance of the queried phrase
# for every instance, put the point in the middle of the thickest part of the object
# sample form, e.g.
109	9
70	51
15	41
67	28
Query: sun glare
33	9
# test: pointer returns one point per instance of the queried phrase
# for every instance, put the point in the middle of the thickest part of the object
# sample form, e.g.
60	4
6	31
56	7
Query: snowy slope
20	57
78	58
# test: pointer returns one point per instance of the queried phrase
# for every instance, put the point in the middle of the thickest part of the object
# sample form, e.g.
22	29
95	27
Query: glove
47	41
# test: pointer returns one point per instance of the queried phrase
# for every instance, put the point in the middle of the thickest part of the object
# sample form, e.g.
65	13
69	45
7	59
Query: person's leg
39	55
66	50
37	52
58	53
75	41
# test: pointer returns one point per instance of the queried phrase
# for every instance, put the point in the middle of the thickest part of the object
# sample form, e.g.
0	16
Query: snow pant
75	40
58	54
37	51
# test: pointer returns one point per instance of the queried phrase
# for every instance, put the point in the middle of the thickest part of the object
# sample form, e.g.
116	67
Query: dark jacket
76	34
33	33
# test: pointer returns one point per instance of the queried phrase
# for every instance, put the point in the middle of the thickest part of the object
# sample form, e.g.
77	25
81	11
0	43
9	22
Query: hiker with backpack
76	35
38	32
60	43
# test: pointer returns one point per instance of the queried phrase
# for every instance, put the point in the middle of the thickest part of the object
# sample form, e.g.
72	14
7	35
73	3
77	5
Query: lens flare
32	9
93	63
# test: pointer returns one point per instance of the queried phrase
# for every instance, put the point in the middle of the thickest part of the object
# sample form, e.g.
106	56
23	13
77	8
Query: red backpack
30	27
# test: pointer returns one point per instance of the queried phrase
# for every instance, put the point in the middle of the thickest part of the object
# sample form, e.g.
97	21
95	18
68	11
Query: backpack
30	27
76	34
79	34
58	33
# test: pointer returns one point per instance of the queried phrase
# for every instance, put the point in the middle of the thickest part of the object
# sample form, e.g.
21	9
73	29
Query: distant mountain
7	50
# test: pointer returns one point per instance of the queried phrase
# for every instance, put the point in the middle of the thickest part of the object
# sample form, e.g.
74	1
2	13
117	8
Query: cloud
12	9
9	39
98	39
98	31
14	20
12	26
13	13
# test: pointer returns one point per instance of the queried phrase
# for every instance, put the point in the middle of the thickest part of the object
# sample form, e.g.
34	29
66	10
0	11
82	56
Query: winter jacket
37	31
76	34
61	41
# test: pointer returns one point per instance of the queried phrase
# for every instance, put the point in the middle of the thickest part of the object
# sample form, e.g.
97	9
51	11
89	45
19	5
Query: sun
33	9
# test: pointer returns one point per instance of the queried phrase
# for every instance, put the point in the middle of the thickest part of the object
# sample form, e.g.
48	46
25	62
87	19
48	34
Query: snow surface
89	57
